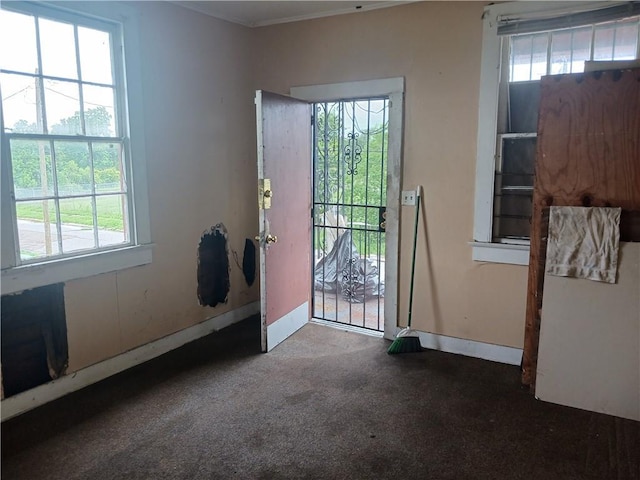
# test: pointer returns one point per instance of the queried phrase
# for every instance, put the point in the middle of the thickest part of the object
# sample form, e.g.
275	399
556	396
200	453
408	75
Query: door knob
268	239
271	239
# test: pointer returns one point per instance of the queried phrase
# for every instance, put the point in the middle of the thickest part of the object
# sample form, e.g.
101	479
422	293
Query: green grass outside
77	211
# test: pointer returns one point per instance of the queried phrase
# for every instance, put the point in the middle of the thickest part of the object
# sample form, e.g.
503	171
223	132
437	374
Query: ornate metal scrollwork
352	153
350	279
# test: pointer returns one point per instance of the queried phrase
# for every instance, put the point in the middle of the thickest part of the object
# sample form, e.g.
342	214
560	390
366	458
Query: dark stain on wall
213	266
34	338
249	261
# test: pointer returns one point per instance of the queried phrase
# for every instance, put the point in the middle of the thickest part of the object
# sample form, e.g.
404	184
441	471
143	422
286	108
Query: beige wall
199	74
436	46
200	142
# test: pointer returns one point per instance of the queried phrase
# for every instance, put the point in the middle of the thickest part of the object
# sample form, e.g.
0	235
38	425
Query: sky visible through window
565	51
59	58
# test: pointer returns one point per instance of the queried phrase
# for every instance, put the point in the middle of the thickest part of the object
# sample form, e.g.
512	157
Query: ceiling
260	13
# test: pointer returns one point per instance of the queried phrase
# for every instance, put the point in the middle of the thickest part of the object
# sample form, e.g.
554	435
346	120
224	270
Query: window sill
500	253
35	275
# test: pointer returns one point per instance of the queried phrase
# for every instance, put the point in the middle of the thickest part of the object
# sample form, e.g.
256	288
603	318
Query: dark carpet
324	404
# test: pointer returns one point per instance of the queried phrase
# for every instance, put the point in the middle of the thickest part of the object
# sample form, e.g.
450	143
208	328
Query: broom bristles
407	341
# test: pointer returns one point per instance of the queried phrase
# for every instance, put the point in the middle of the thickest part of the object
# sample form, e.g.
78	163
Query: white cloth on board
583	242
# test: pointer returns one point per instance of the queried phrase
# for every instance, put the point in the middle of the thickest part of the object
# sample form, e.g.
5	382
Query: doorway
356	172
350	139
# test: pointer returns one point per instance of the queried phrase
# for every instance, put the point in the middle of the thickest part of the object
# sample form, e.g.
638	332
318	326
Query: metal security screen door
349	211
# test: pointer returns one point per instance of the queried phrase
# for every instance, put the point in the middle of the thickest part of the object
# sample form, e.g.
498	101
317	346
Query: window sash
504	226
492	115
95	195
513	191
11	255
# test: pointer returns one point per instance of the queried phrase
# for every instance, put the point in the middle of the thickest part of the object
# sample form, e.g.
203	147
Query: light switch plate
408	197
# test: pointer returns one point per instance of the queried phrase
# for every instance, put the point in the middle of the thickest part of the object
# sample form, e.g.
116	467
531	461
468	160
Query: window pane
62	106
95	55
58	49
516	205
626	41
76	215
518	159
73	168
18	31
99	115
520	58
512	212
524	98
19	104
581	48
111	210
37	233
31	164
108	168
560	52
539	56
510	227
603	43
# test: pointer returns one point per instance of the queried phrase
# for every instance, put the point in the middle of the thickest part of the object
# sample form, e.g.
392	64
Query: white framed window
74	197
521	43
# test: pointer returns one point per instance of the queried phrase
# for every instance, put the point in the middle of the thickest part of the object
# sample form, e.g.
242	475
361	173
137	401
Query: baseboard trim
471	348
30	399
285	327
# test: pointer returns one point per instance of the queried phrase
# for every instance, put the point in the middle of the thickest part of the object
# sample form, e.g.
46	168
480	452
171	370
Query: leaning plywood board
588	146
589	353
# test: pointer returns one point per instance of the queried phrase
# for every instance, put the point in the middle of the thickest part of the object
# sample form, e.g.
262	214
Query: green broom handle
413	257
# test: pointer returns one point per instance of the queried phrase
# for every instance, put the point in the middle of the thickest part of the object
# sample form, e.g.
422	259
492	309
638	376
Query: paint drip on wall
213	266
